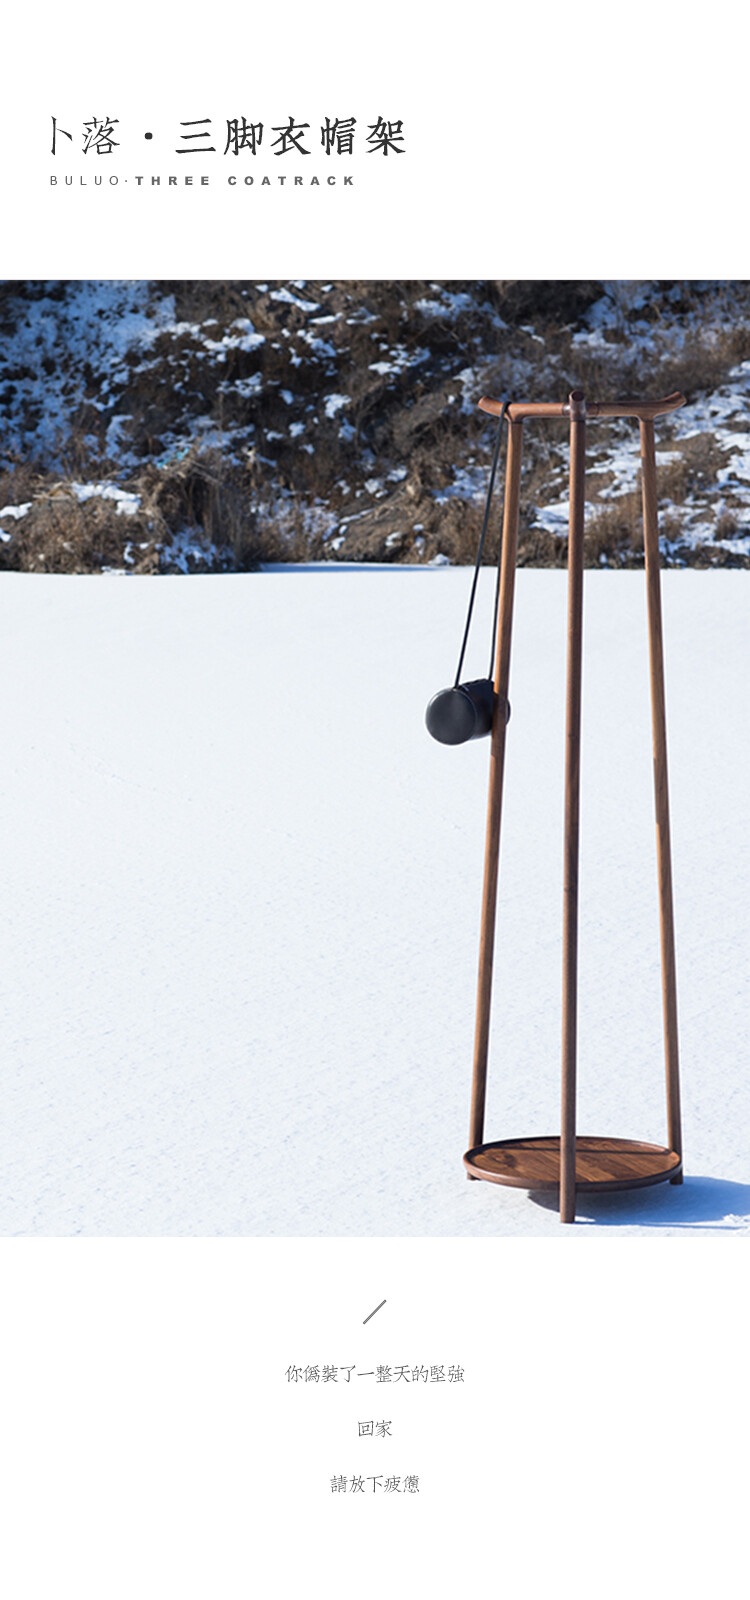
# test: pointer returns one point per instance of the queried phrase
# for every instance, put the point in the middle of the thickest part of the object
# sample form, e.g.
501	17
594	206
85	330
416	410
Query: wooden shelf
601	1164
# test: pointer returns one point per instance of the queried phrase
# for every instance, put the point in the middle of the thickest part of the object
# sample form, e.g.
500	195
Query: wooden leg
661	792
497	760
572	807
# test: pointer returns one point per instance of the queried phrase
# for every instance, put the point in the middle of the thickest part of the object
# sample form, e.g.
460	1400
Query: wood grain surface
600	1163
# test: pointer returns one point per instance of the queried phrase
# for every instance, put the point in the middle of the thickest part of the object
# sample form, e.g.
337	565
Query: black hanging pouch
461	713
466	711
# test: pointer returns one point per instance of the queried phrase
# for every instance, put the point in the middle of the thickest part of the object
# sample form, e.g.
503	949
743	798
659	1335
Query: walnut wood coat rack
570	1163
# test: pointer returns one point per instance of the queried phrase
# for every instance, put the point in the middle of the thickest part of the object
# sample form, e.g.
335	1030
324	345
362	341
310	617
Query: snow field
242	892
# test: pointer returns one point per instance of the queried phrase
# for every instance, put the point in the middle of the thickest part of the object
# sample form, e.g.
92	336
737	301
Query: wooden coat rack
574	1163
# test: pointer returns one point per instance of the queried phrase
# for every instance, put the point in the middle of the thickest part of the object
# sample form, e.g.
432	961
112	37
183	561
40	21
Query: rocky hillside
154	427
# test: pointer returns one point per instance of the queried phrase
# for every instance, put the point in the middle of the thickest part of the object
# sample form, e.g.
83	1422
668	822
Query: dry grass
61	535
693	469
615	531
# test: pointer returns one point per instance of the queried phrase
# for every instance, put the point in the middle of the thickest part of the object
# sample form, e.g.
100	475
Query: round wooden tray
600	1163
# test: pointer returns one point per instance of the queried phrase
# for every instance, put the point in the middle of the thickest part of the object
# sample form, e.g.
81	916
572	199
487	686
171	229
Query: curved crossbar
644	410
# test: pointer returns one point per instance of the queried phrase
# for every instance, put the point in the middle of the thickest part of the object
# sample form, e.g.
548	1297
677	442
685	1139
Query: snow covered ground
241	893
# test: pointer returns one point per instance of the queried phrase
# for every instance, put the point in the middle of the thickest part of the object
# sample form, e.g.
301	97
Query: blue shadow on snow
716	1204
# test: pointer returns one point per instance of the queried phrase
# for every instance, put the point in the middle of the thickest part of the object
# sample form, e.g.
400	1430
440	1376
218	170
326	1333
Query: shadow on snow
717	1204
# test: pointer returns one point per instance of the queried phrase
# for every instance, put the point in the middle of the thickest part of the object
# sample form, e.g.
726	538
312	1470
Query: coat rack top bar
644	410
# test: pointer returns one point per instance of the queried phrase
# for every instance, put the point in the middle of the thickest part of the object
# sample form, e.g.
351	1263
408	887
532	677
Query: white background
150	1444
542	140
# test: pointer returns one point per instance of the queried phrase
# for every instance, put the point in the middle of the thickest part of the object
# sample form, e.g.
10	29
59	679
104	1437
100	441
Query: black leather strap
478	561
